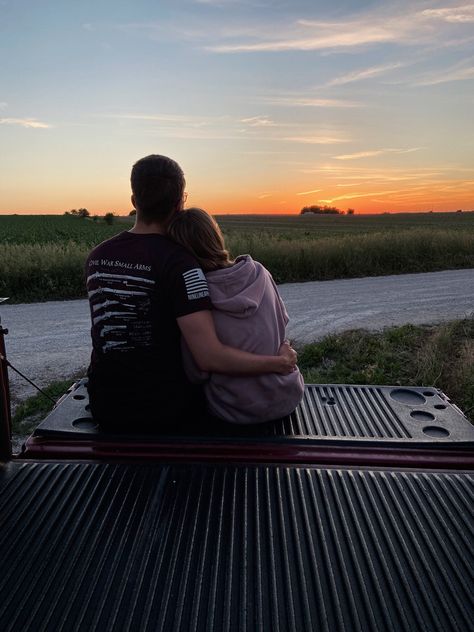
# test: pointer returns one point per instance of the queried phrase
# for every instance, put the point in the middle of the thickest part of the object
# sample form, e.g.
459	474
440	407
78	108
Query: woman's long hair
198	232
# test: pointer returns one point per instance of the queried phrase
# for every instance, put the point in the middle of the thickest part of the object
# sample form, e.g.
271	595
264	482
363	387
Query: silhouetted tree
109	218
350	211
133	212
80	212
320	210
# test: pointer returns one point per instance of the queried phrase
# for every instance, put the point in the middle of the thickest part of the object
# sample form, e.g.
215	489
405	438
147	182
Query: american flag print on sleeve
196	284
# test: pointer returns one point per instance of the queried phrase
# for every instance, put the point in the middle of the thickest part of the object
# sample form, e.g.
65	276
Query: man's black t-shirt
138	284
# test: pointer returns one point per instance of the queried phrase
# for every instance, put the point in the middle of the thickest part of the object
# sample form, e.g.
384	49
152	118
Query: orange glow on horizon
385	194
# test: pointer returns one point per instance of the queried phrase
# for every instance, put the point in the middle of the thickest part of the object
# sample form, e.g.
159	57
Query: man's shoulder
177	255
108	243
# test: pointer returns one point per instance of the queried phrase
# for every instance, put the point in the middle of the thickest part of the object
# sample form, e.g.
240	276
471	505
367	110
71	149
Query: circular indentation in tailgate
84	423
407	396
436	431
429	393
440	406
78	396
421	415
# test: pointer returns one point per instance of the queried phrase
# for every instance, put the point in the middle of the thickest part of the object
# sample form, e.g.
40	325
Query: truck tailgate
149	547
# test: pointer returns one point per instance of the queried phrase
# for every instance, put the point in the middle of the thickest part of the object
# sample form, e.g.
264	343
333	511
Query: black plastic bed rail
335	424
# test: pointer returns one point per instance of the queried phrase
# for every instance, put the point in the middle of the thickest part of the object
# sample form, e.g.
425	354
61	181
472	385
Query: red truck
353	513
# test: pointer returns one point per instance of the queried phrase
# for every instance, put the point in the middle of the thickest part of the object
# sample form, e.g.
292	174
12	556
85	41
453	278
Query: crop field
53	229
310	227
42	257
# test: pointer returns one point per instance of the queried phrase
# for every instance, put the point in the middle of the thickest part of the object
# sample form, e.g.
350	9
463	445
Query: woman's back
250	315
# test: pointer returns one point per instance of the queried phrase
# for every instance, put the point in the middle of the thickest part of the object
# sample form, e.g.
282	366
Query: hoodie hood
238	290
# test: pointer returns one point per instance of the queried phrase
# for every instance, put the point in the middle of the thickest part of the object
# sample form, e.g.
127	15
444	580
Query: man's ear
133	201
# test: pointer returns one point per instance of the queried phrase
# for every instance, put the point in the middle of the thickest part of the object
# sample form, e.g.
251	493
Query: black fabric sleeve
185	285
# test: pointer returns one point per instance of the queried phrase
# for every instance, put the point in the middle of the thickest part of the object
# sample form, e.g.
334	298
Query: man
145	291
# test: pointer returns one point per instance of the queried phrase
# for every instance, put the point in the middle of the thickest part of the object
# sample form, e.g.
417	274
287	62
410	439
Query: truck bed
334	424
147	547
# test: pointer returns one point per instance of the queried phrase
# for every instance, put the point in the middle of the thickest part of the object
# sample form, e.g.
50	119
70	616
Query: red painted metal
5	414
268	452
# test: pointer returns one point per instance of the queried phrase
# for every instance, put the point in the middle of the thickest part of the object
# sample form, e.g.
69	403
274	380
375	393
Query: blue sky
267	105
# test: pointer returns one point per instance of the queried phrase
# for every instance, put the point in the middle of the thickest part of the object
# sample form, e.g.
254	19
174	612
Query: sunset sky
268	105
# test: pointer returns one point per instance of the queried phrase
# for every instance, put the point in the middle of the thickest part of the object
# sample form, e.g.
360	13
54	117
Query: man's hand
290	356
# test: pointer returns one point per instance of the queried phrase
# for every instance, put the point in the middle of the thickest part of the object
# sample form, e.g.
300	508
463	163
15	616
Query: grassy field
309	227
42	257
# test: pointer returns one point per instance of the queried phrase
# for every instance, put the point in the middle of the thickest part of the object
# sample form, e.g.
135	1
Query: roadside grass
55	270
39	272
349	256
433	355
33	409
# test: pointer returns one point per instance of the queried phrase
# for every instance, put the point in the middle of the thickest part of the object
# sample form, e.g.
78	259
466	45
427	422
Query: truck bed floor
151	547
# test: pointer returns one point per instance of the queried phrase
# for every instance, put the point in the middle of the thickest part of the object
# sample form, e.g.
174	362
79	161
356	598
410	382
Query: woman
248	314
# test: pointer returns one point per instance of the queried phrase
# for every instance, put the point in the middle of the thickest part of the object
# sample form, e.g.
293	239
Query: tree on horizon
321	210
79	212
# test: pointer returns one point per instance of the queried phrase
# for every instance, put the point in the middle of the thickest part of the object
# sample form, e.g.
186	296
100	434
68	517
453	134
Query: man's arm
211	355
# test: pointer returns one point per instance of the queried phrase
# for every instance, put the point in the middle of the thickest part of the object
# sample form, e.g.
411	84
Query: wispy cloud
377	152
25	122
310	102
254	128
351	196
352	37
226	3
309	192
178	119
259	121
461	14
399	25
360	154
365	73
461	71
263	196
342	171
316	140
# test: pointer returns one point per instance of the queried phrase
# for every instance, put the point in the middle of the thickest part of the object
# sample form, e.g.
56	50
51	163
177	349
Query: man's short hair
157	185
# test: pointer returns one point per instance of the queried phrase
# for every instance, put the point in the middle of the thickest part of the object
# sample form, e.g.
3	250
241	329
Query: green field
322	226
42	257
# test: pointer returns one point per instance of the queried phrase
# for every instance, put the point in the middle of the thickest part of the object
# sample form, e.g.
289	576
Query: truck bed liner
213	547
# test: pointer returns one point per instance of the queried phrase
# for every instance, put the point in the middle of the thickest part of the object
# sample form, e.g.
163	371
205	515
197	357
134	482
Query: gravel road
50	341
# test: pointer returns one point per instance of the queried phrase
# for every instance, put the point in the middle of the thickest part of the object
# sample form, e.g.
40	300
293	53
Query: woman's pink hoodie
249	315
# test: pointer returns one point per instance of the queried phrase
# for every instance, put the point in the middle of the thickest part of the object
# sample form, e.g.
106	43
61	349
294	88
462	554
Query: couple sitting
181	333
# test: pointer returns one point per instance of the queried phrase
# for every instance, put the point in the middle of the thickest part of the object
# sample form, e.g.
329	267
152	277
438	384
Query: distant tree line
78	212
83	212
325	210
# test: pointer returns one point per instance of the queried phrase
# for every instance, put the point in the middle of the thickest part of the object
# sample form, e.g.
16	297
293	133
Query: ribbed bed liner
153	547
